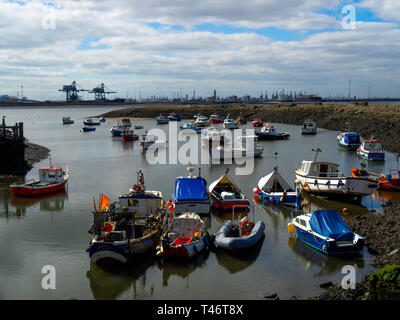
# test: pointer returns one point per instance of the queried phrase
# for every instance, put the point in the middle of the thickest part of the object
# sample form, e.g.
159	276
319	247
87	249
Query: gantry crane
100	92
71	91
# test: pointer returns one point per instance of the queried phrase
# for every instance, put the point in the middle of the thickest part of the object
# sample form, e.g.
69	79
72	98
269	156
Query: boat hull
345	146
282	136
291	199
184	251
376	156
201	208
162	121
28	191
230	204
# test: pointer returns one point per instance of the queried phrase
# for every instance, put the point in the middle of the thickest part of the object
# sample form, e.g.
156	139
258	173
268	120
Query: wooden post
4	127
15	131
21	130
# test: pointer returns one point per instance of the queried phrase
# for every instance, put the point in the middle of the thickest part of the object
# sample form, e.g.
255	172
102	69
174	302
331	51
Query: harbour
102	164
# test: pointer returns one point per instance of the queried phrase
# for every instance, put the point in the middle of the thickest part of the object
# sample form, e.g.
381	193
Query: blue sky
164	48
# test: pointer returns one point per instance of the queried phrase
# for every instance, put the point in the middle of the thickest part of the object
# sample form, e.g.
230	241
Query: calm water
52	230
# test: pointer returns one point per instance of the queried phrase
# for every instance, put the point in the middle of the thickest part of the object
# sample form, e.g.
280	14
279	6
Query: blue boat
326	231
273	189
86	129
348	140
234	237
191	194
174	117
162	119
90	122
191	126
371	150
102	119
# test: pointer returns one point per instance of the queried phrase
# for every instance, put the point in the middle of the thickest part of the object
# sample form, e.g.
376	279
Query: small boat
385	182
202	121
226	194
191	126
125	122
185	238
116	131
129	135
275	190
257	122
87	129
162	119
247	147
174	117
324	178
191	194
214	118
120	235
230	124
326	231
241	120
90	122
269	132
148	140
371	150
67	120
235	237
348	140
102	119
138	127
309	127
51	179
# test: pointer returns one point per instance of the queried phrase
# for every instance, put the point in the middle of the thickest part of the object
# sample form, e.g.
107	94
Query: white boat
248	147
230	124
191	194
324	178
309	127
67	120
148	140
202	121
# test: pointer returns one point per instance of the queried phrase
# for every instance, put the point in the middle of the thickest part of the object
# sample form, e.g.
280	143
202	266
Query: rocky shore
379	120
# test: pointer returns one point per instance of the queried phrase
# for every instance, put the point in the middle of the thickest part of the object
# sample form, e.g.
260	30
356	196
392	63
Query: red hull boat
257	122
50	180
385	182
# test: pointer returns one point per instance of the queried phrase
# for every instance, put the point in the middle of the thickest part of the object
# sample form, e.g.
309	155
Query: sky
172	47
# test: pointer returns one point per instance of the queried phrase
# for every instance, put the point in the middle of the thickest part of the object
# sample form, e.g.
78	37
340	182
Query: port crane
71	91
100	92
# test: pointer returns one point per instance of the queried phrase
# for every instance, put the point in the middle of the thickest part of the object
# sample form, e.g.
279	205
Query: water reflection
320	264
236	262
109	283
182	269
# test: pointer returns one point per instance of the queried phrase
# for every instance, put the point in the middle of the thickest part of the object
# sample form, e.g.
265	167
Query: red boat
227	195
51	179
214	118
257	122
385	182
128	135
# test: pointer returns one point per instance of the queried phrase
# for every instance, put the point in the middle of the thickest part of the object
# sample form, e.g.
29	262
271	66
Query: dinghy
186	237
88	129
226	194
238	237
326	231
385	182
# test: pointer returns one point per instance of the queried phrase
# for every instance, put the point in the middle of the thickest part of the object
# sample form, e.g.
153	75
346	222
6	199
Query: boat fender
305	184
291	228
324	247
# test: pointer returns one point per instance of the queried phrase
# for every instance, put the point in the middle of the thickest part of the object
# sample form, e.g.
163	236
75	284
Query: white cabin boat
67	120
248	147
202	121
230	124
309	127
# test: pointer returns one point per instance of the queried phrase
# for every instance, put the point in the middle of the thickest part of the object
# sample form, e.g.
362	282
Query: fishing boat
326	231
257	122
226	195
129	135
87	129
185	238
274	189
174	117
371	150
240	120
202	121
309	127
191	194
51	179
230	124
162	119
324	178
90	122
67	120
239	237
385	182
120	237
269	132
146	141
247	147
191	126
348	140
125	122
214	118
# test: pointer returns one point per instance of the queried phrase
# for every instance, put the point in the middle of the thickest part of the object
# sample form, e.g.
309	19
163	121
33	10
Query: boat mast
316	153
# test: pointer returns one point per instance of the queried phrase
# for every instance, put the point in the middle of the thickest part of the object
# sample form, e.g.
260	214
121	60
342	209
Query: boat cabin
51	175
271	130
372	145
349	138
319	169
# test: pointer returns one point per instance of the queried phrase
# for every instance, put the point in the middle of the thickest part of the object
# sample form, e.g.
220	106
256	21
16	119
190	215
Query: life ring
246	226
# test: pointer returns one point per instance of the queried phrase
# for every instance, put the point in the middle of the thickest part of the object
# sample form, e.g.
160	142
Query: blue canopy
352	137
329	223
189	189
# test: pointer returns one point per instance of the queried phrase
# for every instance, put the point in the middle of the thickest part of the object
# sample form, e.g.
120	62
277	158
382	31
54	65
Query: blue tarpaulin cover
352	137
330	224
187	189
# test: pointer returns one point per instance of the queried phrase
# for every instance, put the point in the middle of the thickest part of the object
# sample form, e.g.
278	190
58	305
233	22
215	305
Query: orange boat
385	182
51	179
